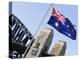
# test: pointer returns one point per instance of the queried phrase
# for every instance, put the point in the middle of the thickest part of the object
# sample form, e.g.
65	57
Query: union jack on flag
59	16
62	24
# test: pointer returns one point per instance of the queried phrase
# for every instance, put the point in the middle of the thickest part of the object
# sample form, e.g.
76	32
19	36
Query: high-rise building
58	49
41	44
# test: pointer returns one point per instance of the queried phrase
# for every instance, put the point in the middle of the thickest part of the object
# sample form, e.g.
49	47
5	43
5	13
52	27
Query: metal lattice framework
19	37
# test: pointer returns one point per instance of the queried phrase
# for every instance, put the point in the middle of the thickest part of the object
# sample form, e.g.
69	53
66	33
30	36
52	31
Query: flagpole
43	19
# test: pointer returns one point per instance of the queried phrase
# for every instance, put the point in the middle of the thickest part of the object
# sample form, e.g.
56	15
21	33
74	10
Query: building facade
59	48
41	44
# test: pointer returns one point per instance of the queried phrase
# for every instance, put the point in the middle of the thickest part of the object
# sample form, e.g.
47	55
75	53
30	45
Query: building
59	49
41	44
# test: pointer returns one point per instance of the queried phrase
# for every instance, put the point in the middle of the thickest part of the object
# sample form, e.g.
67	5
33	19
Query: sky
36	15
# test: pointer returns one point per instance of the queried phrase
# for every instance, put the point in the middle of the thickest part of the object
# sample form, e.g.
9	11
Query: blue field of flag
62	24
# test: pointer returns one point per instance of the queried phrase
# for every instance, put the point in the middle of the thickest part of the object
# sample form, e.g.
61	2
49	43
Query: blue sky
32	14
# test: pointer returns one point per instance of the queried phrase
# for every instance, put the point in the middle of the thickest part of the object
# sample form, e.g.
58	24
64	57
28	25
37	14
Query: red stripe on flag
58	15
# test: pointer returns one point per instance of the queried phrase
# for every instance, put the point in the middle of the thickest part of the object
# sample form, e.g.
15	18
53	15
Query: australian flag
62	24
